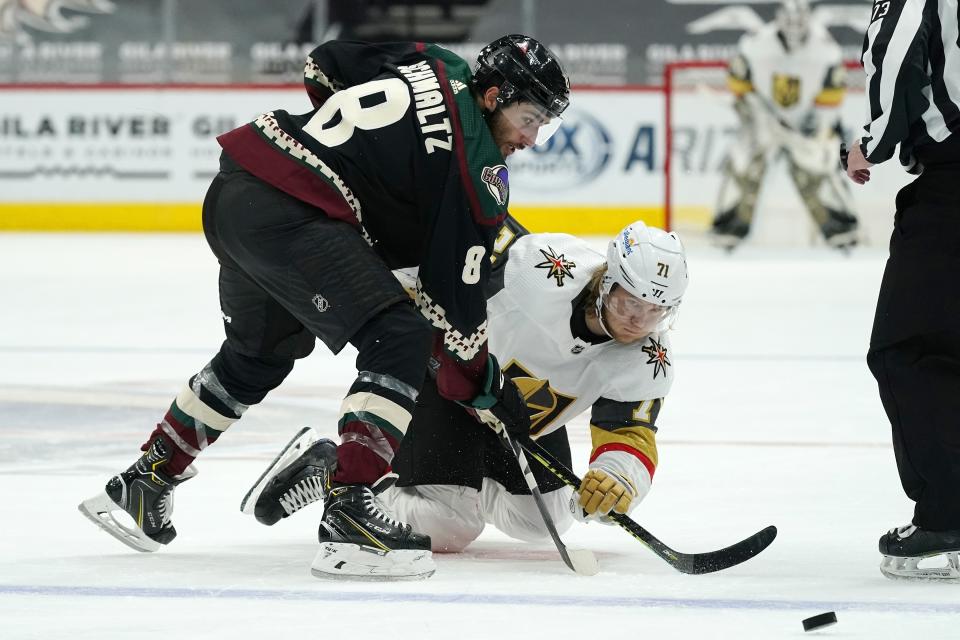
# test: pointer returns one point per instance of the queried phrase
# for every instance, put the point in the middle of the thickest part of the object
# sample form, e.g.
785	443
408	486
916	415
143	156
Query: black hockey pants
446	445
289	275
915	346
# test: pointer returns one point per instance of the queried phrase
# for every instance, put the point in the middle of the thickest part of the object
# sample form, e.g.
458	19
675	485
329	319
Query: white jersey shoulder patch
545	261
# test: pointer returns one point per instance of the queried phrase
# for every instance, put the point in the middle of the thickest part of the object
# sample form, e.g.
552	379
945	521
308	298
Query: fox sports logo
576	155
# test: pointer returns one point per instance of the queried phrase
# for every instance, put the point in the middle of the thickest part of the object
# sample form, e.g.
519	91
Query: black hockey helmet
523	69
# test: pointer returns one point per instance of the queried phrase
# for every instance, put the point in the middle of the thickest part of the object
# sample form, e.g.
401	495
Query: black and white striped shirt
911	57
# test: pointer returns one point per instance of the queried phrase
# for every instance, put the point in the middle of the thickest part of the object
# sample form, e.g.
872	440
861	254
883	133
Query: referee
912	61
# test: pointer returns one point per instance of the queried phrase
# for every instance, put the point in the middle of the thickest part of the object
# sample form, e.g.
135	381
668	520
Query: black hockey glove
810	125
500	405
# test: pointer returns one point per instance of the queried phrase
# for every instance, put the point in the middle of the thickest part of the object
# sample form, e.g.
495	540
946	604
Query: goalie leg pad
345	561
737	199
830	203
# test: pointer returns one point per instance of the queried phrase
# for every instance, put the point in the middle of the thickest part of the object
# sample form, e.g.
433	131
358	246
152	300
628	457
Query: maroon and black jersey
397	146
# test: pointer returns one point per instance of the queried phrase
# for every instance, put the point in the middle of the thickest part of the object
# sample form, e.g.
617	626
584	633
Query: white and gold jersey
792	82
561	375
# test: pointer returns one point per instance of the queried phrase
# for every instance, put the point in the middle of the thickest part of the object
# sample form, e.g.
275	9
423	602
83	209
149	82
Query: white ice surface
774	419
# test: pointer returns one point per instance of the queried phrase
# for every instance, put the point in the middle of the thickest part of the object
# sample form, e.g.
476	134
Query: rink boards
140	158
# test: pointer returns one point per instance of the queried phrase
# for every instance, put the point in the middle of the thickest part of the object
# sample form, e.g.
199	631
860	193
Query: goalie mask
649	265
793	23
525	71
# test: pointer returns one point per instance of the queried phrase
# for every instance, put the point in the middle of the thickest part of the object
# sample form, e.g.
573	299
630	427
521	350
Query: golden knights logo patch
658	356
786	89
544	403
557	266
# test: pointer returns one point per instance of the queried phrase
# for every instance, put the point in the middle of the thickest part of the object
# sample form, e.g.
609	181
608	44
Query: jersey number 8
472	263
331	131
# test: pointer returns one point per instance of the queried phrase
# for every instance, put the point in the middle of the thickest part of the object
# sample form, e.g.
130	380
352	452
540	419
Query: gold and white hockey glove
602	492
616	482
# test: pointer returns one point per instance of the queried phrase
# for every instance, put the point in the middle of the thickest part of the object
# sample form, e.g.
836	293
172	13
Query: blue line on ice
476	598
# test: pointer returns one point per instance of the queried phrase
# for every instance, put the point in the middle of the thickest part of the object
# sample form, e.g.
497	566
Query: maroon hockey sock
356	464
179	460
364	449
185	451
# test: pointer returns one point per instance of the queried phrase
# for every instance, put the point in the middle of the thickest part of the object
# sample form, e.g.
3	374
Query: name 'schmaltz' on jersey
431	111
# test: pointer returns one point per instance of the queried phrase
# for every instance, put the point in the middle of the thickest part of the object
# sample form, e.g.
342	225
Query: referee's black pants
915	346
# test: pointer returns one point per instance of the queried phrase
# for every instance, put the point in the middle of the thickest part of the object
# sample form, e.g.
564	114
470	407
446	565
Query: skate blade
345	561
300	442
844	242
897	568
726	242
100	510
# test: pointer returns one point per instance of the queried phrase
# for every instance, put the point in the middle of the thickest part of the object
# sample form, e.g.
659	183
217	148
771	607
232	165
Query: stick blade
583	562
734	554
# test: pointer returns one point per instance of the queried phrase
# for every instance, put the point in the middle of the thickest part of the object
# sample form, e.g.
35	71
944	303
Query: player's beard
503	133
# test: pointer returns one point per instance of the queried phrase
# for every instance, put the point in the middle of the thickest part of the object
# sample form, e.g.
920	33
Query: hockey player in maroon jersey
400	163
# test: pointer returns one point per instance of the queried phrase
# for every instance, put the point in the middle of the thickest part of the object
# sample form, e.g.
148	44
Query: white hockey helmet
650	264
793	22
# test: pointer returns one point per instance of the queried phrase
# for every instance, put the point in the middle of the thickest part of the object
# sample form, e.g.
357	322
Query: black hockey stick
694	563
580	561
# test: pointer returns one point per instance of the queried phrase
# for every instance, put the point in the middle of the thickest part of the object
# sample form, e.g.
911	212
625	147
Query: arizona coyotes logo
544	403
658	357
47	15
497	181
786	90
557	266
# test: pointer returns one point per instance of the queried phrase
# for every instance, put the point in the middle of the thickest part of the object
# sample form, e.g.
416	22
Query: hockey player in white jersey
576	331
788	80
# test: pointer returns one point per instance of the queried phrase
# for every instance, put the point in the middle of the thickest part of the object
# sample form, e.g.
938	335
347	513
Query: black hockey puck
820	621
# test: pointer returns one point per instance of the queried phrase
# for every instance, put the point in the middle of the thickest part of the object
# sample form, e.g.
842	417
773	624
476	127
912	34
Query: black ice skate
299	476
905	547
840	230
145	494
359	541
728	230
